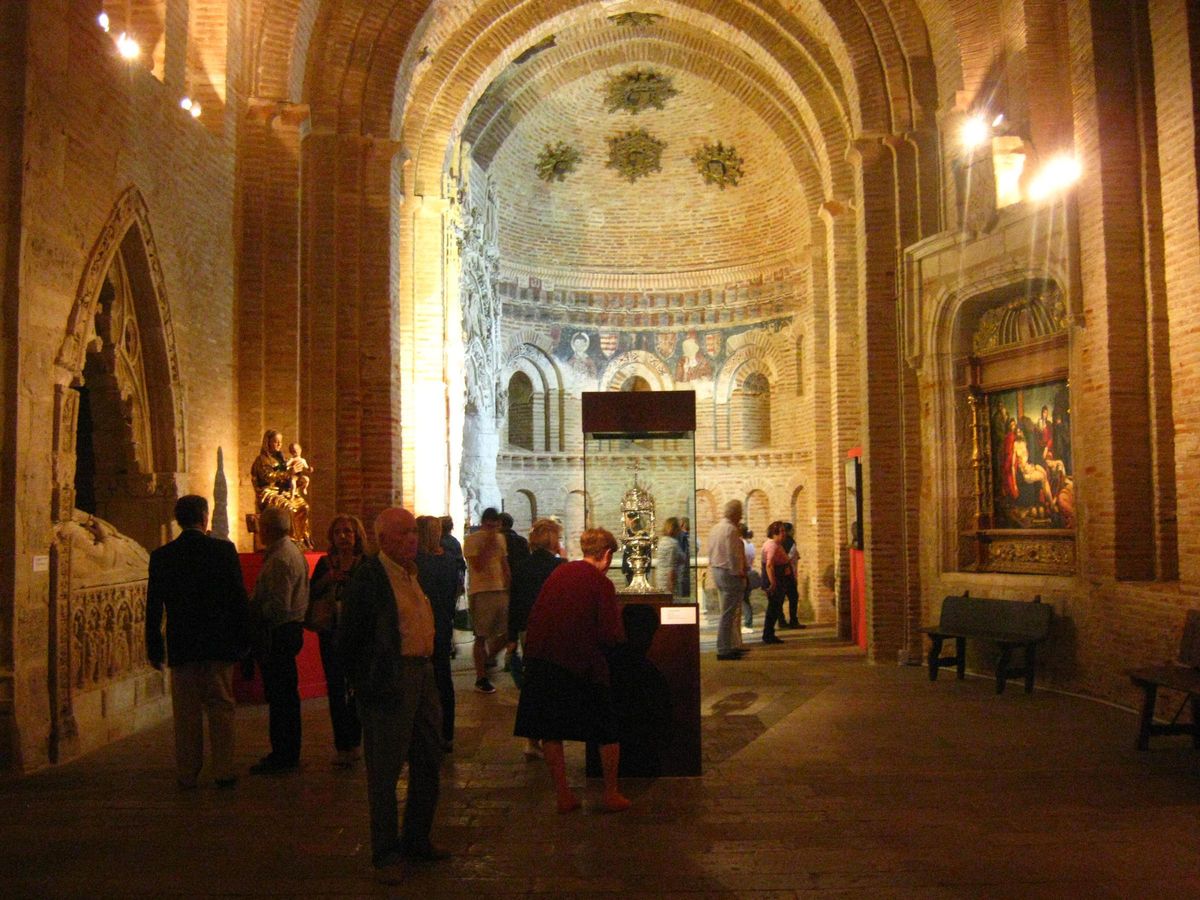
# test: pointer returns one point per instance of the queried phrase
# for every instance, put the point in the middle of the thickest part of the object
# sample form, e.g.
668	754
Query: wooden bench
1183	676
1007	623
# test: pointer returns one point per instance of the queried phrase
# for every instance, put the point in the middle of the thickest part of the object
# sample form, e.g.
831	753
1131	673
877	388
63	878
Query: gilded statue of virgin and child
282	481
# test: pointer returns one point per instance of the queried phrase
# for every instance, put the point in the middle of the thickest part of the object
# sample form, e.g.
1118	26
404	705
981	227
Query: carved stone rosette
635	154
637	90
718	164
556	162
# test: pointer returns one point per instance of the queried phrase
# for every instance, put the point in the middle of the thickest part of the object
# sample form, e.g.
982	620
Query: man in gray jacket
279	603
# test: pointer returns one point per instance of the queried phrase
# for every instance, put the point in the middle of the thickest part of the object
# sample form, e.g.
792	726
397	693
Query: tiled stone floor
823	776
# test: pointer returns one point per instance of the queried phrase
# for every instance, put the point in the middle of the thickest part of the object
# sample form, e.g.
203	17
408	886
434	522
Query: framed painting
1032	467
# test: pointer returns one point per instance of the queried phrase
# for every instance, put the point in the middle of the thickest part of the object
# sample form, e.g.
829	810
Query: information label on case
41	564
677	615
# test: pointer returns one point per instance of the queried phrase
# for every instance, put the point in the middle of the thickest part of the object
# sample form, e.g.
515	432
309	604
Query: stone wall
750	444
95	129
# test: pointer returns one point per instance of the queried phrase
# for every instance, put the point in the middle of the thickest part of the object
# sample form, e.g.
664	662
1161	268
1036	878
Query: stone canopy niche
118	455
1015	464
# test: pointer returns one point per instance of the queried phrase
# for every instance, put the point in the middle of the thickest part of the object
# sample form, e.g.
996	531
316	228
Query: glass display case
639	475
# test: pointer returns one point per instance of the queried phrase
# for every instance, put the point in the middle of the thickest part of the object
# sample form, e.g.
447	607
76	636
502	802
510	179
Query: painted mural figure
692	364
580	361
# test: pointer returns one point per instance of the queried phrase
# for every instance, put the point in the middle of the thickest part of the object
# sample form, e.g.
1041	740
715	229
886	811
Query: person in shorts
486	553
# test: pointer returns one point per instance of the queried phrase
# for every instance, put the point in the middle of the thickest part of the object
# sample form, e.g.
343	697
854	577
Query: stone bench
1182	676
1008	624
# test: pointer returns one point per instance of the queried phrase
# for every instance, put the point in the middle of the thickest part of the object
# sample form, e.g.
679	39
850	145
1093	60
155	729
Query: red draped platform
308	663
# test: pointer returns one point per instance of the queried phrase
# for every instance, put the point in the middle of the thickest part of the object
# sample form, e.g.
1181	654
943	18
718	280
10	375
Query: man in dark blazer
198	581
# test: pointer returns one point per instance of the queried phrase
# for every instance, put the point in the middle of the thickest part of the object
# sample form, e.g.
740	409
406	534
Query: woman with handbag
330	578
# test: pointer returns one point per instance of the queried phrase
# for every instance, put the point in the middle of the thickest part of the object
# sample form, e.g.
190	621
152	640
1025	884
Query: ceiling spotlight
195	110
102	20
186	103
1055	177
128	47
974	132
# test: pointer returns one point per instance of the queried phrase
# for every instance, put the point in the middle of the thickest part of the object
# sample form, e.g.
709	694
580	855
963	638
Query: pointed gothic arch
119	343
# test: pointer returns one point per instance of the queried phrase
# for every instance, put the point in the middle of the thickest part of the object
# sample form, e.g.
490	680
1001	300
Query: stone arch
639	363
752	399
531	355
708	513
762	355
525	511
757	513
125	241
798	507
520	410
120	337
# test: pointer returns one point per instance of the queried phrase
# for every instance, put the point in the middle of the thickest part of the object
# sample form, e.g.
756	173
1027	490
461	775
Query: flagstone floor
823	776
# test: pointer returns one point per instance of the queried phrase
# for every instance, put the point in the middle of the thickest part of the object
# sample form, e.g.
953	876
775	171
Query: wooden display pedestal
656	688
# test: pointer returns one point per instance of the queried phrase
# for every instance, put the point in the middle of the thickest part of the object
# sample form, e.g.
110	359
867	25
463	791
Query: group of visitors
735	567
384	623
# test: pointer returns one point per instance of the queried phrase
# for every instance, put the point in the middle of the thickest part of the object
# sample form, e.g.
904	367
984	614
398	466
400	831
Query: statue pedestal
308	661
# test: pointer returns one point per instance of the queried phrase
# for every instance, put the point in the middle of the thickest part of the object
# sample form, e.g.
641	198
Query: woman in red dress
566	696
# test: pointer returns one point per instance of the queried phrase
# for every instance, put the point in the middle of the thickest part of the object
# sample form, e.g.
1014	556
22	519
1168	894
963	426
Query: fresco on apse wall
690	356
1033	482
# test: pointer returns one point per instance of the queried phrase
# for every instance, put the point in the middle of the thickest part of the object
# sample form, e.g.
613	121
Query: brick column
1110	384
1175	31
842	280
268	343
881	401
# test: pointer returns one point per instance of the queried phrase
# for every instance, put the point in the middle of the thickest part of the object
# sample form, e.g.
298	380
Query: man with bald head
385	638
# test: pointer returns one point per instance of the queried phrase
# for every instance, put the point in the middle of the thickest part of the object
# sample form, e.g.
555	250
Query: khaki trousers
198	688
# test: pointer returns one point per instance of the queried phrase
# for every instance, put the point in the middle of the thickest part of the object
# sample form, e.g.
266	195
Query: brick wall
94	126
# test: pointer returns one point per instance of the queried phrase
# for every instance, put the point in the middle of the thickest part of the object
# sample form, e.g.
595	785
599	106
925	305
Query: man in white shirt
727	562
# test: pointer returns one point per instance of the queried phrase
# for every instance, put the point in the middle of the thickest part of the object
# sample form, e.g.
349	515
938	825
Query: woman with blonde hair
330	578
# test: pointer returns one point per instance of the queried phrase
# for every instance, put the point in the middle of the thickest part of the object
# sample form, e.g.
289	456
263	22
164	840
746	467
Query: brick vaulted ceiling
820	72
793	83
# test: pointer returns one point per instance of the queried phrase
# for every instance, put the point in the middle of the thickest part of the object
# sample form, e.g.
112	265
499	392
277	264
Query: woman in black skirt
566	697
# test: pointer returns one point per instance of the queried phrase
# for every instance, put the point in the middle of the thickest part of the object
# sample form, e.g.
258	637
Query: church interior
956	240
